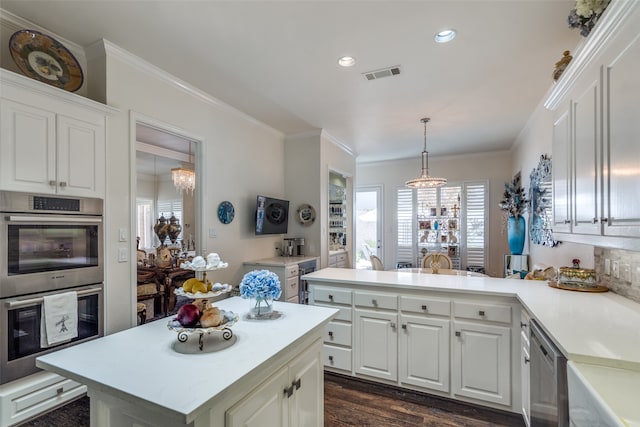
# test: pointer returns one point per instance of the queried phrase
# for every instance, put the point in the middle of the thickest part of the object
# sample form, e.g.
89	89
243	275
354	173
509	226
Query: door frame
379	190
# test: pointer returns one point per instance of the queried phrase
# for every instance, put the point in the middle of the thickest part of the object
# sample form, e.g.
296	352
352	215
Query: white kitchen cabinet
376	344
596	129
481	362
293	396
524	366
52	142
339	260
33	395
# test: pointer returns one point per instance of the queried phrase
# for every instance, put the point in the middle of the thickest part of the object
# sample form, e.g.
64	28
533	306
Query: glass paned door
368	225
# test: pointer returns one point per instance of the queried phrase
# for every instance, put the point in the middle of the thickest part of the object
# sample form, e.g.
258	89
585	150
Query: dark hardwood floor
350	402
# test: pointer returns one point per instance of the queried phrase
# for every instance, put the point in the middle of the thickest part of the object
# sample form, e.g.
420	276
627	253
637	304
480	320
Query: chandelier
184	179
424	180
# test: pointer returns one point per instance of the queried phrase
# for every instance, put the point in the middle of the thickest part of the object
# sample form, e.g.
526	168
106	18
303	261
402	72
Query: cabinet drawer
291	287
338	333
294	299
376	300
482	311
332	295
426	305
291	271
336	357
343	314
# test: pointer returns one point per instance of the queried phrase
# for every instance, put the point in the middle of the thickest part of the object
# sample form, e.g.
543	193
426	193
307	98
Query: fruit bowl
230	319
218	289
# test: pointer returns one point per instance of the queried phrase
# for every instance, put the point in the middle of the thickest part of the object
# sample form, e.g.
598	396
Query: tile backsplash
623	268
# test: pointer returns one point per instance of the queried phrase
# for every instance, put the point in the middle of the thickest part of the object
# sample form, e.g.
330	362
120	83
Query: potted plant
513	204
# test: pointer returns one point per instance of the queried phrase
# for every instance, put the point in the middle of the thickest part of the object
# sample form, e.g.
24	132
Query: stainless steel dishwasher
549	395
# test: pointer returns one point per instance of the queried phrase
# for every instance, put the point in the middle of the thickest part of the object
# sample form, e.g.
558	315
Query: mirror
157	153
540	195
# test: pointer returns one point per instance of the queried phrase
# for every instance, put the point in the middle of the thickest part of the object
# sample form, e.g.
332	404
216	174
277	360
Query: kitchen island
145	377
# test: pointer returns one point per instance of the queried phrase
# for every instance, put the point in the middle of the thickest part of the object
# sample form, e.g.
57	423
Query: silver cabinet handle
63	184
481	312
594	220
59	390
604	220
567	221
523	325
53	183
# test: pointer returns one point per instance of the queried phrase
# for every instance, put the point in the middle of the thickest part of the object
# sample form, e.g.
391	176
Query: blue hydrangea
260	284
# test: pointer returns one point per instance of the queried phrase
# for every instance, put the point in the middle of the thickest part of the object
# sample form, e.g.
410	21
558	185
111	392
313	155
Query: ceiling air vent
383	72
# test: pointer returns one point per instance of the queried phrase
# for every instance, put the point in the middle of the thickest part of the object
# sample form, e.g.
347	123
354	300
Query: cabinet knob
404	326
424	307
331	297
297	383
481	313
393	325
523	325
526	360
331	334
374	302
63	184
331	359
567	221
59	390
604	220
594	220
288	391
53	183
458	333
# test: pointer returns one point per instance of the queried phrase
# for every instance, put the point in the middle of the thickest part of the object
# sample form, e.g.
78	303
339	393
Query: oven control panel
55	204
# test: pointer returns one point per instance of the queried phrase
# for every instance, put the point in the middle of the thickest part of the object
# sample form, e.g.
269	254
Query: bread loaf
211	317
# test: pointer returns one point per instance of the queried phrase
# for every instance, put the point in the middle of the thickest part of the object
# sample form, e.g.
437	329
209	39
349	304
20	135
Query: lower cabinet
481	367
376	344
464	347
525	369
33	395
293	396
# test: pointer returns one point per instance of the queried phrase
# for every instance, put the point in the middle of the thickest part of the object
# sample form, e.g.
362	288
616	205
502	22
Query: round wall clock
45	59
306	215
226	212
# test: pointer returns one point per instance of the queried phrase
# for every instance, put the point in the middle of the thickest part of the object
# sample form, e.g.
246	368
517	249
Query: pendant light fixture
424	180
184	179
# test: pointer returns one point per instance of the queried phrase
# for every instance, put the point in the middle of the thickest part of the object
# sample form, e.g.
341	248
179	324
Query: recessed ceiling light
347	61
445	36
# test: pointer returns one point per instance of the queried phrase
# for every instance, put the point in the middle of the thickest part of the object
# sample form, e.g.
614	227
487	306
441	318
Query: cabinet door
27	148
587	158
306	404
81	157
562	172
424	352
482	362
376	345
622	133
266	407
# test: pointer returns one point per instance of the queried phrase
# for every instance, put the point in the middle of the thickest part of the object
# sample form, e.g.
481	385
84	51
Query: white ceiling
277	61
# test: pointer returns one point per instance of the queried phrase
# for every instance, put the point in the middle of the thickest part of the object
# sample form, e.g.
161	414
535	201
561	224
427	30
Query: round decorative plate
226	212
306	214
45	59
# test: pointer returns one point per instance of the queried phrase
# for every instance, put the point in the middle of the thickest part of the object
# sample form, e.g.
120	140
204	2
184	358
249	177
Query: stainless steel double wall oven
48	245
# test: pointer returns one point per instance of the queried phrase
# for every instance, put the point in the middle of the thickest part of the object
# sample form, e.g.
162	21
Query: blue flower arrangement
261	285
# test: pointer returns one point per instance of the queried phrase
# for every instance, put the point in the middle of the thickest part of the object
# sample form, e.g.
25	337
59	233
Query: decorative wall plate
306	214
45	59
226	212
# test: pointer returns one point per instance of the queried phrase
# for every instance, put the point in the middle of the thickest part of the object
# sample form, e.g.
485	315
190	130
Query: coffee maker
299	241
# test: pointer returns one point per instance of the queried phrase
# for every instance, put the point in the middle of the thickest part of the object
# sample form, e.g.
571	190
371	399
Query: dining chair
376	263
445	261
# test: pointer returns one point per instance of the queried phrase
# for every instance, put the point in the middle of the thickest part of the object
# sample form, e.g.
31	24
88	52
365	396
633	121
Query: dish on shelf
218	289
306	214
45	59
230	319
226	212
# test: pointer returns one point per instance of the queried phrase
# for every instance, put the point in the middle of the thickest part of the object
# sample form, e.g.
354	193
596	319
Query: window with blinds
475	214
469	202
405	225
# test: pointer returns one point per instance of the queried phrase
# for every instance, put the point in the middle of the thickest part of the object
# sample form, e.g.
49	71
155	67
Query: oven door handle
35	301
53	218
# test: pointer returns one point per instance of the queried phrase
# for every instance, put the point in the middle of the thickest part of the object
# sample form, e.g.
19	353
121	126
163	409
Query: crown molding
338	143
587	50
129	58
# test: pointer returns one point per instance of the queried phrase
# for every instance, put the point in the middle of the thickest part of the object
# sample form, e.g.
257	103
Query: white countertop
141	365
596	328
281	261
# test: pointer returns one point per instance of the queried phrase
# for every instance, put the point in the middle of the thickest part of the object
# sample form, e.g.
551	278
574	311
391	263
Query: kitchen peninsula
144	377
460	337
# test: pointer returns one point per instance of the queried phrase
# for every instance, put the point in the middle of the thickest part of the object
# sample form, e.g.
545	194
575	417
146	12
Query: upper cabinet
596	129
51	141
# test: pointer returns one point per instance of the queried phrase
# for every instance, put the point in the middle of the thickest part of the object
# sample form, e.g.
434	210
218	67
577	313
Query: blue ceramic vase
515	234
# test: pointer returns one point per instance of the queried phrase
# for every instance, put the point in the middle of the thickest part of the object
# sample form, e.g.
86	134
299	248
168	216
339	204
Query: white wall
495	167
242	158
533	141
